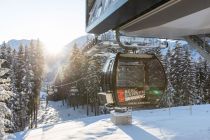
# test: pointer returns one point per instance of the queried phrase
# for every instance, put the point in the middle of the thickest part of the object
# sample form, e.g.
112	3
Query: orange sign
121	95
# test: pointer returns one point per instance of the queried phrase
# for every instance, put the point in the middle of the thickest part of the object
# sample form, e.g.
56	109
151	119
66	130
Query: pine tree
4	113
32	62
177	74
3	53
28	85
14	101
201	77
9	55
189	81
37	63
75	64
20	86
207	87
5	95
168	96
83	73
75	71
13	68
93	82
20	73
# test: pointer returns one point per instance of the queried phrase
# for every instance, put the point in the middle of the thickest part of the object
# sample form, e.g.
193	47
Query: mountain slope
16	43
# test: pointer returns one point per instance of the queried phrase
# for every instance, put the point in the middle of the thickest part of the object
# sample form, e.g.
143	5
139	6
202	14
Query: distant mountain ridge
80	42
14	43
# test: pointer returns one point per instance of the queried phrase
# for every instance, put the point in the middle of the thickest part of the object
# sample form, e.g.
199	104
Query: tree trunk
91	107
87	106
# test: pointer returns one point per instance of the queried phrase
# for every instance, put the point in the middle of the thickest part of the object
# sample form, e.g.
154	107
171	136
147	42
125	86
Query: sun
52	48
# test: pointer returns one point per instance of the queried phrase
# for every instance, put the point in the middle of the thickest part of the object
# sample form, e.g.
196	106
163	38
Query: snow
4	71
180	123
43	95
4	95
55	112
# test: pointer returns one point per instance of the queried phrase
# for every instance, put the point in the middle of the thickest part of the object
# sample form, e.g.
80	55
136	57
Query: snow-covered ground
55	112
160	124
43	95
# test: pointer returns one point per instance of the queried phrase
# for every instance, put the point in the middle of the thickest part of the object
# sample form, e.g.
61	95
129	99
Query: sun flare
52	49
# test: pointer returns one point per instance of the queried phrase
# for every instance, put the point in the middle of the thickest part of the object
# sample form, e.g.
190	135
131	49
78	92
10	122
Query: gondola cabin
133	80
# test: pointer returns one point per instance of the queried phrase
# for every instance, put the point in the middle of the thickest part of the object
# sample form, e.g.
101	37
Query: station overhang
104	15
174	19
149	18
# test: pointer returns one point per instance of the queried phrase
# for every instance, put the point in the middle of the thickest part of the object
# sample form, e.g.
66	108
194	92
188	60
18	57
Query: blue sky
54	22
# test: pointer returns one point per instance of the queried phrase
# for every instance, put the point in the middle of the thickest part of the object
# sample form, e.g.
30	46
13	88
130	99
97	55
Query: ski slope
56	112
180	123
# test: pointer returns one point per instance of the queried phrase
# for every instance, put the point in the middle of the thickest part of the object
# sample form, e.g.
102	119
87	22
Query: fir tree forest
20	85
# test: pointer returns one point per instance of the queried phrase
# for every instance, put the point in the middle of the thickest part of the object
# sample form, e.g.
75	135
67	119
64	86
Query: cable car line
74	82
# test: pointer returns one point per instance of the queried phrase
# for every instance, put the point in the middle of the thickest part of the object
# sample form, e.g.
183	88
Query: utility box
119	118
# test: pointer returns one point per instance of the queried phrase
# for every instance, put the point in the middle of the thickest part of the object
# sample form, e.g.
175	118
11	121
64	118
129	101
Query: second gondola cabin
133	80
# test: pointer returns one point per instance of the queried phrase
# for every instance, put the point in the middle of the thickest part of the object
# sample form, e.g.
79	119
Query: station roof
149	18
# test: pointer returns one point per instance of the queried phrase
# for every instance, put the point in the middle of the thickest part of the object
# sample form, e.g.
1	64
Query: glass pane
156	74
130	74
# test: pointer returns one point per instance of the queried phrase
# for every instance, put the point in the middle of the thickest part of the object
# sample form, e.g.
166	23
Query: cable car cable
74	81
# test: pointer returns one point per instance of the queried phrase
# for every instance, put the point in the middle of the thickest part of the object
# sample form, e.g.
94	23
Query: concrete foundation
121	118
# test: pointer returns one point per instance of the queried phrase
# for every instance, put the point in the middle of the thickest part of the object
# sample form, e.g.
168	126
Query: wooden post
190	107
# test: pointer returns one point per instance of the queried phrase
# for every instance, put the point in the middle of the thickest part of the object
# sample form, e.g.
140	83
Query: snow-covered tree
20	83
14	101
21	97
93	82
177	74
189	81
28	83
37	62
5	95
4	113
207	87
201	77
3	53
167	99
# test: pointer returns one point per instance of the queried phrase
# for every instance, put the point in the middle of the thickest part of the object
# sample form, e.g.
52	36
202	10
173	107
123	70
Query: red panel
121	95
